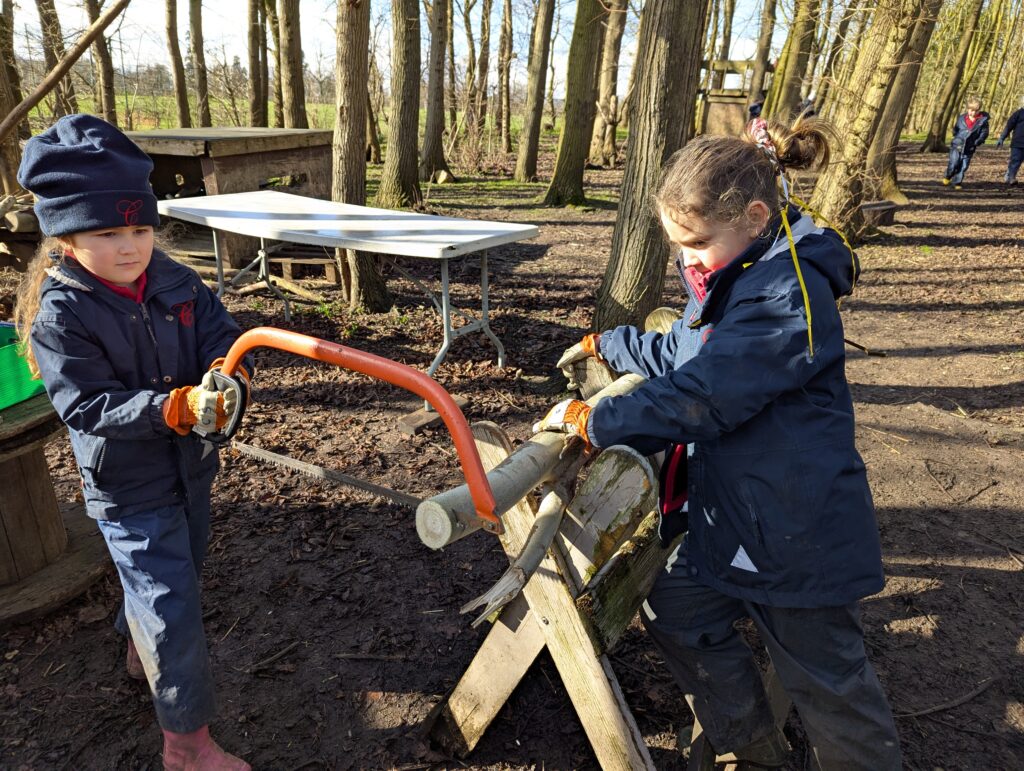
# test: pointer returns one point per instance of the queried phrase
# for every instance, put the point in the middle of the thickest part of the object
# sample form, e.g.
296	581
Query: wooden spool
47	555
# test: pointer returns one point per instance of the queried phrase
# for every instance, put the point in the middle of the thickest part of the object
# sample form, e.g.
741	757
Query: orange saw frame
392	372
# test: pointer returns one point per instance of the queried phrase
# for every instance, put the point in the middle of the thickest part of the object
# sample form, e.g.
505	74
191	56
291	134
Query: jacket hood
818	249
822	249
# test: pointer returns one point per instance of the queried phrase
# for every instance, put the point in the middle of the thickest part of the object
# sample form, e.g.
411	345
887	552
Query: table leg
485	308
220	264
264	276
446	320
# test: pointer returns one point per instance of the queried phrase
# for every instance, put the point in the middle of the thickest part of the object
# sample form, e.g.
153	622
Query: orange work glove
191	406
588	346
569	417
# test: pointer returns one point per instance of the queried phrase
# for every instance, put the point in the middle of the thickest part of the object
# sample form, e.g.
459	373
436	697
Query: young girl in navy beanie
121	336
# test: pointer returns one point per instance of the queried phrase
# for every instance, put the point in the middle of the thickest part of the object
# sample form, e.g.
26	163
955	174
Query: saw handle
241	388
389	371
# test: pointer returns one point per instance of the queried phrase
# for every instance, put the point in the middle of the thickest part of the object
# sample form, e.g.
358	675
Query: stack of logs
19	231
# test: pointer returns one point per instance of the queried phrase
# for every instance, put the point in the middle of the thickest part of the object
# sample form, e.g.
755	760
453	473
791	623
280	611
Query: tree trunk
602	143
551	73
936	139
828	71
566	185
399	184
9	63
537	67
764	49
728	12
177	65
630	98
881	179
372	137
783	99
711	42
274	25
351	74
257	58
469	88
669	63
195	31
840	187
432	159
65	101
293	89
503	116
105	68
453	92
996	53
10	152
483	65
807	89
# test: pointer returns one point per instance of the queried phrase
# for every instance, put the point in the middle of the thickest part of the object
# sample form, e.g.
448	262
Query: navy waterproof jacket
779	507
108	364
966	140
1015	125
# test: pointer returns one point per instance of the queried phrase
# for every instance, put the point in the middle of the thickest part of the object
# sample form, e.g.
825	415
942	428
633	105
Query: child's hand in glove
200	407
586	347
569	417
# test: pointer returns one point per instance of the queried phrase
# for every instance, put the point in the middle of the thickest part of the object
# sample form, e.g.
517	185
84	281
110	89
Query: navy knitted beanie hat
87	175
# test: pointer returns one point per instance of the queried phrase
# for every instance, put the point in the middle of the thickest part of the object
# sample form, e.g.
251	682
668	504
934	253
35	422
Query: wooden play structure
724	110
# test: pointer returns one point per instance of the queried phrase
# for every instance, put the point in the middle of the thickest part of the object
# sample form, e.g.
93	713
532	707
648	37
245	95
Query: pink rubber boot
133	663
197	751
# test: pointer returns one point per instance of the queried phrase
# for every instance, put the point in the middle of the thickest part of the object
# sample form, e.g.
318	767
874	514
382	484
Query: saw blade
327	475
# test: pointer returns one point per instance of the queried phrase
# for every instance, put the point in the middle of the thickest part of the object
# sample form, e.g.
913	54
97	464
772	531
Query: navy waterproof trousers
159	558
818	654
1012	166
957	165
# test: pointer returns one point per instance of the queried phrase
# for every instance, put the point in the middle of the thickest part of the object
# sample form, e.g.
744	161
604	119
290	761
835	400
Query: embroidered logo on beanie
87	175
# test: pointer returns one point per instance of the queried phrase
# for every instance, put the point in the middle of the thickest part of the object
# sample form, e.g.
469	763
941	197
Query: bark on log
450	515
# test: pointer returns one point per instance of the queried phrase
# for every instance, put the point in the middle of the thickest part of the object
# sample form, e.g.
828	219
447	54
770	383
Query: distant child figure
1015	126
747	396
122	337
969	133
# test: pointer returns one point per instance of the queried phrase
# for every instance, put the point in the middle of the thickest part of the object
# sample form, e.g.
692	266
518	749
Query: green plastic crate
16	384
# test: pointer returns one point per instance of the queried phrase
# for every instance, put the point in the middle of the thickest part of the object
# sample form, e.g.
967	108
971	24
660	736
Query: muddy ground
367	618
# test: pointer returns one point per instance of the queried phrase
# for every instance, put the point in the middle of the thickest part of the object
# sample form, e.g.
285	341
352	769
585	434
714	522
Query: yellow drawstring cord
800	279
815	214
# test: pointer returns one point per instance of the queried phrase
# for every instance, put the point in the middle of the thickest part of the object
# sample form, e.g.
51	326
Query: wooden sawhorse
578	603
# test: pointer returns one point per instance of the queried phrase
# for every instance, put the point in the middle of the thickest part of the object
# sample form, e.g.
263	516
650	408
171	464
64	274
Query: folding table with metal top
275	216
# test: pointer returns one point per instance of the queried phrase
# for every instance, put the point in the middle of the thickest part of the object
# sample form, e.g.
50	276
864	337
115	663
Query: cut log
619	491
450	515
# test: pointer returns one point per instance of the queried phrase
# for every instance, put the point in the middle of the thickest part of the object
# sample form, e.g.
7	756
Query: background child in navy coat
1014	126
751	383
969	132
122	336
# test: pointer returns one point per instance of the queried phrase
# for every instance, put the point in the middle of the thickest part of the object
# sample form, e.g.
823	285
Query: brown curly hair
717	177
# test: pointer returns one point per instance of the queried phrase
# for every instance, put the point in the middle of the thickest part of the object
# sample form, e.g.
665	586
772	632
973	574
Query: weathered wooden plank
43	502
587	676
509	649
618	492
414	422
221	147
20	417
18	519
